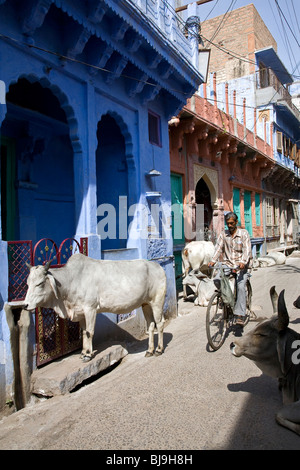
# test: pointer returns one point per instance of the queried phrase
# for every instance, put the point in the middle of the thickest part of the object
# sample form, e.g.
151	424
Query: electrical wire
146	82
71	59
287	42
215	4
181	25
295	15
233	2
279	9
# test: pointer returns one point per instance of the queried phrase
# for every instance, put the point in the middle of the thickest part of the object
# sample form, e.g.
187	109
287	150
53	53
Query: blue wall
81	134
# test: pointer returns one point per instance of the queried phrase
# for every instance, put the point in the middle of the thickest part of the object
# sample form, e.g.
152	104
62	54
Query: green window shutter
236	203
247	212
177	214
257	209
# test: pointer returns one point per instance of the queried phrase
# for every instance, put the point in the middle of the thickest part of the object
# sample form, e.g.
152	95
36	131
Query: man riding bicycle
235	246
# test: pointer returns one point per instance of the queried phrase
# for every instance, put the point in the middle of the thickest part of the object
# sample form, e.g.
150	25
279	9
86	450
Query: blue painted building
89	89
281	185
252	84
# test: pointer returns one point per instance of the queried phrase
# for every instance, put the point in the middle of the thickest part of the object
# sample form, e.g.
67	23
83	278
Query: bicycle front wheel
215	322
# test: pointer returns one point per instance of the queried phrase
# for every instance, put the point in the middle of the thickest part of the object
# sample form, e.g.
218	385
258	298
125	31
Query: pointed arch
211	179
115	175
40	118
127	137
63	101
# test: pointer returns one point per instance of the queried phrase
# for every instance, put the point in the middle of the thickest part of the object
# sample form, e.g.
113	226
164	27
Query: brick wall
243	32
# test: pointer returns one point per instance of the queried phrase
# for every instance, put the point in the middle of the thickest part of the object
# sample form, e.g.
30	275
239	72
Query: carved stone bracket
245	159
119	29
96	11
79	41
116	67
35	16
150	92
133	41
186	126
104	52
136	86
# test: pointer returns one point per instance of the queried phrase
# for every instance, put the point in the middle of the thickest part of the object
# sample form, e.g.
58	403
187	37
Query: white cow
202	286
84	287
271	259
195	256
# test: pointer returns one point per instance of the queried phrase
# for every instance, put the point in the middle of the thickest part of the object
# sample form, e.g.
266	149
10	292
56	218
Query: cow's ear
53	284
283	316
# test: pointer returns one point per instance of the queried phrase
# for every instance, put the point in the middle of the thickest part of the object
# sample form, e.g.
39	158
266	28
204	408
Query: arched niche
115	176
39	132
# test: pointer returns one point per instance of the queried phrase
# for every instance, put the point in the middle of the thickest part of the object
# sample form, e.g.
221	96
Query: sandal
239	321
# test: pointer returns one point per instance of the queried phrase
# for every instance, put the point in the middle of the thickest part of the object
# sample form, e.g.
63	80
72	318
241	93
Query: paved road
187	399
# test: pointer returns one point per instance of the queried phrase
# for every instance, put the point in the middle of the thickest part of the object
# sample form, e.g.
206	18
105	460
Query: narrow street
187	399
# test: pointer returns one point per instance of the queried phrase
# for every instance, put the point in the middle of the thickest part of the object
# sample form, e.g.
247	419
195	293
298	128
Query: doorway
8	192
112	184
37	195
203	196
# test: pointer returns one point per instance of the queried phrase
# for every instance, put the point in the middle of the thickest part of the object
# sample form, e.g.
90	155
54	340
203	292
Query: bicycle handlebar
218	265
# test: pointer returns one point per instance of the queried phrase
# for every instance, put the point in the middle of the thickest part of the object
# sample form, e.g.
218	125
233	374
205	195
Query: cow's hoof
158	353
148	354
86	358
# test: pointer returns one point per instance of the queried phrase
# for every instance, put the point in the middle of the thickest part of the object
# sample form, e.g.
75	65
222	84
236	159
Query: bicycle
219	315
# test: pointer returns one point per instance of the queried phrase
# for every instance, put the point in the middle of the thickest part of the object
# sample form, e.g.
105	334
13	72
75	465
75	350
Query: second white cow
202	286
195	256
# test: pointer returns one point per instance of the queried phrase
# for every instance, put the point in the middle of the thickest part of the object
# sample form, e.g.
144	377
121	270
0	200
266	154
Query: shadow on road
288	269
256	428
136	346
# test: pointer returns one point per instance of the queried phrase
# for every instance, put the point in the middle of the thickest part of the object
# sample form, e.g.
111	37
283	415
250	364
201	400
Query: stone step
63	376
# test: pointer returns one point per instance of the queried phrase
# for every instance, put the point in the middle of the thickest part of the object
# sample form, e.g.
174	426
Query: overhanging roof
270	59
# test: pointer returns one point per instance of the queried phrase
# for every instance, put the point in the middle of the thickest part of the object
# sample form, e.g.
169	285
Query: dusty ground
186	399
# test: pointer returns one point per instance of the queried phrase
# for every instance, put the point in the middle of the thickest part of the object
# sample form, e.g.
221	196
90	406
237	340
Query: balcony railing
266	78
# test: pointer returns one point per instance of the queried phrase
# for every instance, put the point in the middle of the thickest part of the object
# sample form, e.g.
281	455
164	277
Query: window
285	146
154	128
257	209
269	209
276	216
236	204
297	161
279	141
263	76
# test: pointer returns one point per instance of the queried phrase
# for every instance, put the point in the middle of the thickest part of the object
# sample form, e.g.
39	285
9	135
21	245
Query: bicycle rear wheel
215	322
248	302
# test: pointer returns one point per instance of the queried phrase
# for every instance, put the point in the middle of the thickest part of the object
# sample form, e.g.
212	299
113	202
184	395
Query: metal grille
48	334
19	253
54	337
44	251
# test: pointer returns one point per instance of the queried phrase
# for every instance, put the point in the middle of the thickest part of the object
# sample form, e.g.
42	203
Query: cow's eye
40	283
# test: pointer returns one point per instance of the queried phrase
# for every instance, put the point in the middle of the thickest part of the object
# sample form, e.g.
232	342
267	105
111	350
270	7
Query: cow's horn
28	266
47	265
274	299
283	316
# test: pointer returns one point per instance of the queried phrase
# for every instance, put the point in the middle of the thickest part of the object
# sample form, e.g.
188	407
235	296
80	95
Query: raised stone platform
63	376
